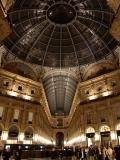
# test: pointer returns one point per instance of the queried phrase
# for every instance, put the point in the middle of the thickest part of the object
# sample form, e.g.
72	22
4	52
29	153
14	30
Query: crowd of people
98	153
80	153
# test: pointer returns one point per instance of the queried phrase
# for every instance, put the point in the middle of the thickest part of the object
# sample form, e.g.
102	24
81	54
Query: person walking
91	153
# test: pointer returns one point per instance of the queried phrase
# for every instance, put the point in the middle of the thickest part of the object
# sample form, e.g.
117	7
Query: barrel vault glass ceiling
60	34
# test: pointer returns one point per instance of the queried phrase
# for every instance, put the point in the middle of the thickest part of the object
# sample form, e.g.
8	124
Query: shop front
105	135
90	135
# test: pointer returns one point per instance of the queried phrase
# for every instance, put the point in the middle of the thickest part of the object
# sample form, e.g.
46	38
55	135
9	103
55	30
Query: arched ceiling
21	69
98	69
60	89
61	33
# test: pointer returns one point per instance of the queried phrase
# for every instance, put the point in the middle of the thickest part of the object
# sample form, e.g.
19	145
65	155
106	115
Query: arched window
105	135
28	133
90	130
13	132
105	128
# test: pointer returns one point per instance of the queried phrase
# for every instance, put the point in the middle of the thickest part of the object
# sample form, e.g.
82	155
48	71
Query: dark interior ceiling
60	33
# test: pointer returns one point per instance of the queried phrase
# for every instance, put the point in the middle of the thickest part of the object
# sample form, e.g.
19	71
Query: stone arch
21	68
105	128
28	132
59	139
90	130
13	131
98	69
105	135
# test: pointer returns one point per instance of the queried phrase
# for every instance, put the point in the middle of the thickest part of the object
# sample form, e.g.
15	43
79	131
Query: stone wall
24	96
104	110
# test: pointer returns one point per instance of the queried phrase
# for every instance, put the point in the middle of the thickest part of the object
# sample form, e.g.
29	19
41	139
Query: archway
28	134
90	134
105	135
98	69
21	69
13	132
59	139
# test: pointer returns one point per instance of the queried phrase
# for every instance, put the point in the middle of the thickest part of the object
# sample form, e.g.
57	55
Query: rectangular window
32	92
88	122
29	122
15	120
6	84
103	120
20	88
16	114
30	116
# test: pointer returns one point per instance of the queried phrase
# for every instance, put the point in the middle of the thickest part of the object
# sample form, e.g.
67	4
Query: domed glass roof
61	13
60	33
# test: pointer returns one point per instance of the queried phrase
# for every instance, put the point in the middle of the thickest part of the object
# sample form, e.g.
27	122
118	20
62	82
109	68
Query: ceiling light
107	93
12	93
92	97
26	97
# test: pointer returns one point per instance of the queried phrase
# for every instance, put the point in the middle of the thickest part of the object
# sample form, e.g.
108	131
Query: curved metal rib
24	10
99	38
44	29
86	42
90	19
73	45
99	11
47	47
24	36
